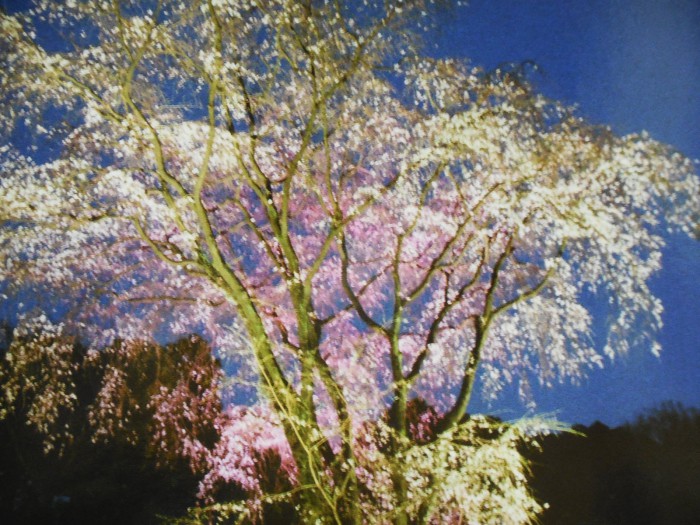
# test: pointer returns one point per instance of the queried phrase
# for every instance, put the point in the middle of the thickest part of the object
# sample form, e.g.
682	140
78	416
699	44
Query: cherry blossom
37	381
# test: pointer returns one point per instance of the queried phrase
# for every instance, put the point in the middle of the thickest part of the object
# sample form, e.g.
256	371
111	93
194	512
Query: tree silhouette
645	472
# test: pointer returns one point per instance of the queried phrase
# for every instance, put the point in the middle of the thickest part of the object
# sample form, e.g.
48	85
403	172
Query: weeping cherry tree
359	229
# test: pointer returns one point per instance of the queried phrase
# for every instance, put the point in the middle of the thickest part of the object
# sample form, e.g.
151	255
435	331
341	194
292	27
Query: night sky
634	65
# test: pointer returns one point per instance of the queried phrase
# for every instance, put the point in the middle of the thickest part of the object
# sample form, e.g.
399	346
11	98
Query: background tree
39	384
163	399
644	472
83	432
356	225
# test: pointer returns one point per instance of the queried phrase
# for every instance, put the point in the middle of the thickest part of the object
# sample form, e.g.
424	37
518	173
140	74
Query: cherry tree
38	384
355	226
131	409
162	400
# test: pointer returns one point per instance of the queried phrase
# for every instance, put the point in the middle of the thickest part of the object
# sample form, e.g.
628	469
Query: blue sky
635	65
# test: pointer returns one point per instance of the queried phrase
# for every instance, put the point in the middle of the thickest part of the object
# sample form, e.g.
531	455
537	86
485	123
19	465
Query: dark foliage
646	473
95	484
